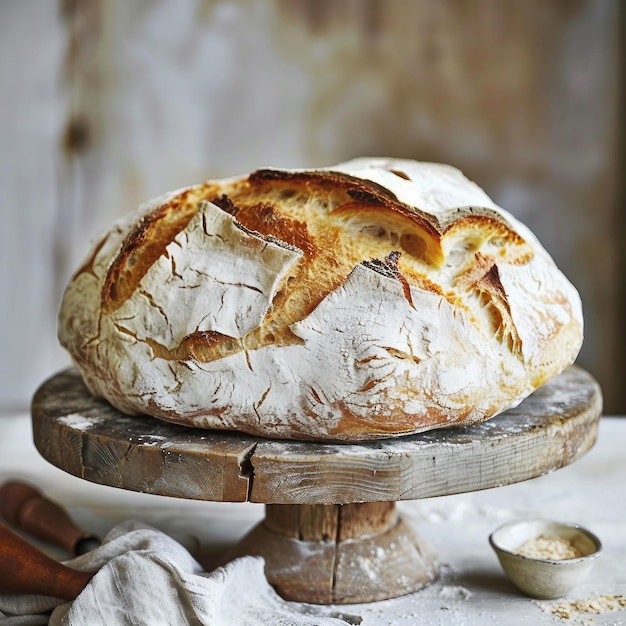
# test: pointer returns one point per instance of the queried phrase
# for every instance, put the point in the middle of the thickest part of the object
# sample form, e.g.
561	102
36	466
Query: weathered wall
106	103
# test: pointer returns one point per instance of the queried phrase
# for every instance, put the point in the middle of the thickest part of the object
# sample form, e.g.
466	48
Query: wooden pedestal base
339	553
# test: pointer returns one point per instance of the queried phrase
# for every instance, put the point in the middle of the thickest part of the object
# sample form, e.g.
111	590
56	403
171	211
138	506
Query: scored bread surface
375	298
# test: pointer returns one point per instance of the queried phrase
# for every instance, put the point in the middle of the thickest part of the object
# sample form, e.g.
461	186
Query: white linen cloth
145	577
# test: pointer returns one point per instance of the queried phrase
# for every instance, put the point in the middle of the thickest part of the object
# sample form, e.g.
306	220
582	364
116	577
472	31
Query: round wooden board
90	439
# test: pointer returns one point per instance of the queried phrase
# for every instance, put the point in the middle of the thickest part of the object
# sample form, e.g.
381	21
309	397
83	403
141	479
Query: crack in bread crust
354	222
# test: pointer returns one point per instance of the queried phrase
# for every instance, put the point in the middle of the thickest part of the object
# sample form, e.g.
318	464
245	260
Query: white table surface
472	588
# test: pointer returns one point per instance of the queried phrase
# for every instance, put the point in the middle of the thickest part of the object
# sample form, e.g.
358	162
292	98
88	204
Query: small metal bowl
544	578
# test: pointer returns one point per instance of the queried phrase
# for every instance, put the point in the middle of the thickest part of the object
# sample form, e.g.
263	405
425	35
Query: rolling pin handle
25	569
25	508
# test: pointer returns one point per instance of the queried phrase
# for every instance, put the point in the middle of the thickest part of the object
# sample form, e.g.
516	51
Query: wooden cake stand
331	532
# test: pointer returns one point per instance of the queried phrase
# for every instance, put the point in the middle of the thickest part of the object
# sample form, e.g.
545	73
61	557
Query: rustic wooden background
106	103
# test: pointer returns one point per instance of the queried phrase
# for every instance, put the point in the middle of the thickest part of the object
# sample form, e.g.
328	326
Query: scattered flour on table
454	592
445	601
574	609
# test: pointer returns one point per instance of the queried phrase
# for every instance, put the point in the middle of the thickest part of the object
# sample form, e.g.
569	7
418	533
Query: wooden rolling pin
25	569
24	507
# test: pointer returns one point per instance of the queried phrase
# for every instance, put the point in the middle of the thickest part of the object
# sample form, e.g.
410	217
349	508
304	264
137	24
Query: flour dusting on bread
375	298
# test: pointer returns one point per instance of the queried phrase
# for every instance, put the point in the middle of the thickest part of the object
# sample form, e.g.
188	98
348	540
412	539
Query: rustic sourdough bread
375	298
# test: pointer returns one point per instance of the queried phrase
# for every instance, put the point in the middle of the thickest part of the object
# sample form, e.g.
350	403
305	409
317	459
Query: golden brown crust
144	245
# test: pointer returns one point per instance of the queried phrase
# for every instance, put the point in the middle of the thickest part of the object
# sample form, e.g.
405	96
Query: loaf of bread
372	299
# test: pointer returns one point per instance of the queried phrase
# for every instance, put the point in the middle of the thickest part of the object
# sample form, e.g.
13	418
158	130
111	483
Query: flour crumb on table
453	592
570	609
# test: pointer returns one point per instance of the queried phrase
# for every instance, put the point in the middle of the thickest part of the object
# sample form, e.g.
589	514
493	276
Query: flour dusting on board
79	422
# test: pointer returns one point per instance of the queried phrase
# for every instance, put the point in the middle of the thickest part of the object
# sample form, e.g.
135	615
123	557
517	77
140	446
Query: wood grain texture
338	554
90	439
